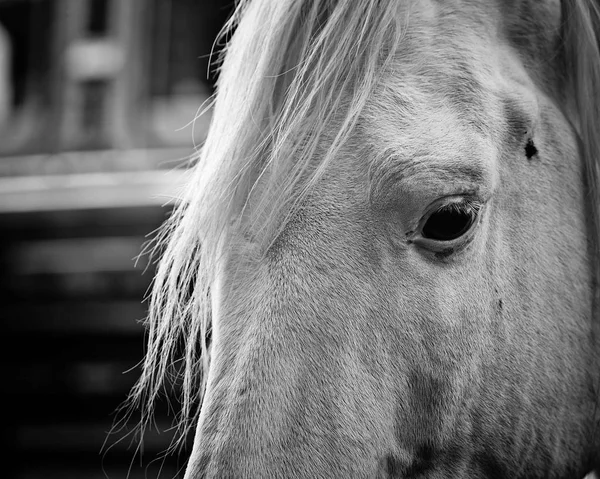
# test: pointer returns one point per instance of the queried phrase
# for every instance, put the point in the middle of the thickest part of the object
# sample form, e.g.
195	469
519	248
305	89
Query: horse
385	263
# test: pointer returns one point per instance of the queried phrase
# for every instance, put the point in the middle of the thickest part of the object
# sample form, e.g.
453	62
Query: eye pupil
448	223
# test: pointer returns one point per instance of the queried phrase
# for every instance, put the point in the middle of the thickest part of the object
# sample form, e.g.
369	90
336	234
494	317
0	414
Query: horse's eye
450	222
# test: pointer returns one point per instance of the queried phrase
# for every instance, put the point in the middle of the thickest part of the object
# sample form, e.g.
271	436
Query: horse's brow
394	170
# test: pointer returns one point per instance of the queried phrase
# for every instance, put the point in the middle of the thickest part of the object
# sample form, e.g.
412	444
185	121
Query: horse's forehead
470	56
453	27
455	81
441	77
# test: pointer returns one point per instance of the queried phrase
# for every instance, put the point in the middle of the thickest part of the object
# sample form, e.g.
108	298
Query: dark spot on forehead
530	149
519	126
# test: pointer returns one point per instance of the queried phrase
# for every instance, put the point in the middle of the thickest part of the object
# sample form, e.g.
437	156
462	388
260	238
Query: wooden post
101	75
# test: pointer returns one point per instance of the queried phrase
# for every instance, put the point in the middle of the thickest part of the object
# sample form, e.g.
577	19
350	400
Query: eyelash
462	205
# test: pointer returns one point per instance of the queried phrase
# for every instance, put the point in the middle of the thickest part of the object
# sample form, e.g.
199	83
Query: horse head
385	263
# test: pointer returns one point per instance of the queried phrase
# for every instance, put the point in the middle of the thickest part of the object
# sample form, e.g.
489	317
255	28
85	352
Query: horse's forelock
288	72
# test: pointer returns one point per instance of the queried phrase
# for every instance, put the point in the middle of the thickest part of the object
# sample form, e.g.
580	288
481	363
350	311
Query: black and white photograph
300	239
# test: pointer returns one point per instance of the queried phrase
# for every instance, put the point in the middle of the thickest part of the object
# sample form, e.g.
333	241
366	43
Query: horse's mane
292	71
581	34
581	37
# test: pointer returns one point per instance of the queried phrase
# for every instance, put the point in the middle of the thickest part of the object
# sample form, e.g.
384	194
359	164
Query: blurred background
96	103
